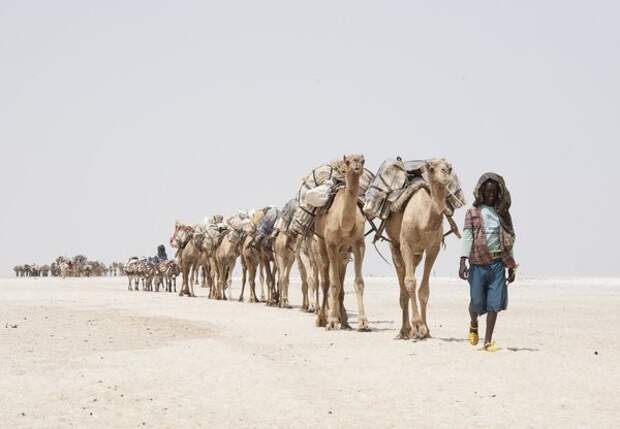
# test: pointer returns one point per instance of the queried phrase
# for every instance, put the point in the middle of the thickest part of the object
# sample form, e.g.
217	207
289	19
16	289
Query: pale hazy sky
118	117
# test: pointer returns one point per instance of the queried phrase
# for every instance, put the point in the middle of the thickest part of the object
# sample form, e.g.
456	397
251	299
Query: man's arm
468	240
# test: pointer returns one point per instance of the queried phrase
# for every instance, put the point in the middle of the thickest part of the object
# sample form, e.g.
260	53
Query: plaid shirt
479	253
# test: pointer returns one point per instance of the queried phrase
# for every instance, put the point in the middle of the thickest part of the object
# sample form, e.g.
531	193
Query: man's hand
511	275
464	269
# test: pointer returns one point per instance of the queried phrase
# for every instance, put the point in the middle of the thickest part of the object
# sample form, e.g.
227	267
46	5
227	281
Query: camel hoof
320	322
363	325
331	325
420	332
404	334
241	299
423	334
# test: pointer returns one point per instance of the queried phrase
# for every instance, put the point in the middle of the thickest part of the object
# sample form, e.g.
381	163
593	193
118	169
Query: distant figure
161	253
488	238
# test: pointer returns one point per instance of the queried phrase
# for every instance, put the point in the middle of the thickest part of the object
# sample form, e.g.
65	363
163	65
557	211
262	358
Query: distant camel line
78	266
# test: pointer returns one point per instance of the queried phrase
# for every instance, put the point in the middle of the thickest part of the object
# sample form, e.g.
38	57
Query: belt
496	255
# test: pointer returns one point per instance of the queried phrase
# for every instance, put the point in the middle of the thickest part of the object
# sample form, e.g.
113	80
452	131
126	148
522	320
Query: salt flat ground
87	353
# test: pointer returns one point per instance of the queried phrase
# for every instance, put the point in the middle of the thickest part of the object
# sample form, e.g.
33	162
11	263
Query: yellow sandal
473	336
491	347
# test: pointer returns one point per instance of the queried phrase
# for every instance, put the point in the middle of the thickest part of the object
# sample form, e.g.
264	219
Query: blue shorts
487	287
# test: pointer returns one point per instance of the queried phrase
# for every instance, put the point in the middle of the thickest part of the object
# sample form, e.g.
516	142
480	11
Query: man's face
490	191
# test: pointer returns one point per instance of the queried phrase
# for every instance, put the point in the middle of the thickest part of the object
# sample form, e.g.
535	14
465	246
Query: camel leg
278	284
286	275
399	264
314	283
184	283
191	284
222	291
244	274
261	275
231	268
270	287
278	289
216	277
334	289
216	289
342	271
314	287
313	279
429	261
254	265
208	274
321	318
304	283
412	260
358	260
274	284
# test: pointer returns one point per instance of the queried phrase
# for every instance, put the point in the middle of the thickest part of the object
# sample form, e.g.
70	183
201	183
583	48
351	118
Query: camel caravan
321	230
152	274
78	266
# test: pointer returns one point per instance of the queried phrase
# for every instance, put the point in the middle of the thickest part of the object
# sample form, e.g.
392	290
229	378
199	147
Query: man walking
488	238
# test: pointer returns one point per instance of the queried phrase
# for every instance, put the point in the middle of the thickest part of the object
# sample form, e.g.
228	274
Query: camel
160	276
251	256
285	248
188	243
257	253
268	270
309	273
45	269
149	270
341	230
226	257
132	271
416	231
214	232
170	275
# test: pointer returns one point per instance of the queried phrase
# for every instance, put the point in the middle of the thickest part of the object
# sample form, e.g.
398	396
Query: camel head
181	234
352	165
199	237
439	172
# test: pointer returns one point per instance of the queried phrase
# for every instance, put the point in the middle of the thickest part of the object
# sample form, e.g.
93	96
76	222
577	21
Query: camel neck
351	192
439	193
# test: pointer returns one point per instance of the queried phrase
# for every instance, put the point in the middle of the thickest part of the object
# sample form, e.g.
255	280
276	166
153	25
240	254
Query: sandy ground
87	353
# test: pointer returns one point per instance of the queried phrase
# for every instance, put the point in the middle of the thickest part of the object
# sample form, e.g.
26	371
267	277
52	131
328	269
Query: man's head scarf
502	205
